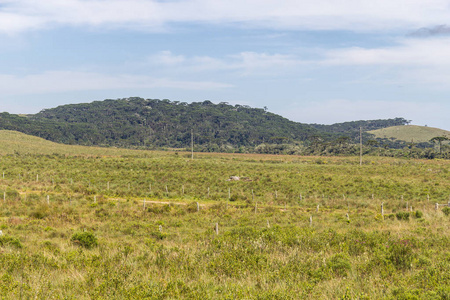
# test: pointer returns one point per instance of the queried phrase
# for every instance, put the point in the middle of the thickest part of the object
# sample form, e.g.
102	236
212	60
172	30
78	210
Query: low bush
85	239
10	241
446	211
402	216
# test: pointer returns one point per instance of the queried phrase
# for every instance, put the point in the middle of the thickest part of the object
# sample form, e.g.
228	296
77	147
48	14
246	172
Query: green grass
74	225
13	142
417	134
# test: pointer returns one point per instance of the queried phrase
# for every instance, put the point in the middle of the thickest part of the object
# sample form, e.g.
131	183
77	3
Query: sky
321	61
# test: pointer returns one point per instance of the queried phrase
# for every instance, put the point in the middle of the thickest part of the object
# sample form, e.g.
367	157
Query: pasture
75	225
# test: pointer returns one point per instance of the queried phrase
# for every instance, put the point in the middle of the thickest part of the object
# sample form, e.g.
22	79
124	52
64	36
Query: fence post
216	229
198	207
436	206
382	210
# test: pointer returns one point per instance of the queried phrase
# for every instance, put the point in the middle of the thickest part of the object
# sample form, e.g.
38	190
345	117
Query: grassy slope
16	142
271	254
416	133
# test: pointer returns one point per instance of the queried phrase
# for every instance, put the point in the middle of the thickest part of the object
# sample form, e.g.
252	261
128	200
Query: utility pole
192	144
360	146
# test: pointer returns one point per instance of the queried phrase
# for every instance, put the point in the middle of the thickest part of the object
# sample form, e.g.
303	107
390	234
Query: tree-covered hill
164	123
151	123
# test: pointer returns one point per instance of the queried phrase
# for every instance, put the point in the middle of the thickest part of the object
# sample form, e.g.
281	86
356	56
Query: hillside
417	134
163	123
352	127
13	142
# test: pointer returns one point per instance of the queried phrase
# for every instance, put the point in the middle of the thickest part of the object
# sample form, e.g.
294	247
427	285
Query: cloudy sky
321	61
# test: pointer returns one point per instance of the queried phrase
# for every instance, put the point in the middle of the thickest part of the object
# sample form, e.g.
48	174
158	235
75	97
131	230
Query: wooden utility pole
360	146
192	144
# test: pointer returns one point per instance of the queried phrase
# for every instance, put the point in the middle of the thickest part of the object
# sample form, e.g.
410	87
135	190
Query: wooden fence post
216	228
382	210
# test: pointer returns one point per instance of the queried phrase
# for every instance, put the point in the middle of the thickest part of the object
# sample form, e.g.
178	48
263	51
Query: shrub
402	216
418	214
400	253
339	264
85	239
40	213
159	209
10	241
446	210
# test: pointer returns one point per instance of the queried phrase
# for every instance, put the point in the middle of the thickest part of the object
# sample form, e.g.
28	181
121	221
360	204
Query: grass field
75	226
417	134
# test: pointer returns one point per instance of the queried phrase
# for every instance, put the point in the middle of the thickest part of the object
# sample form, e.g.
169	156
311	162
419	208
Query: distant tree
438	140
372	143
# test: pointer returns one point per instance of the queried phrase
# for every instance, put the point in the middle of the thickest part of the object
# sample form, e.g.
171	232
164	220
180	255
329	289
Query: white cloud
63	81
410	52
244	63
355	15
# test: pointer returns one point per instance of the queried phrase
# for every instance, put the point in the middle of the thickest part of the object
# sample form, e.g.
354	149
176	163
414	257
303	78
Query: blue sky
316	61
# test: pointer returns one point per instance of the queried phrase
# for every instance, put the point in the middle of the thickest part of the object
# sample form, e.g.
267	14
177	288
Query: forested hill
163	123
151	123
